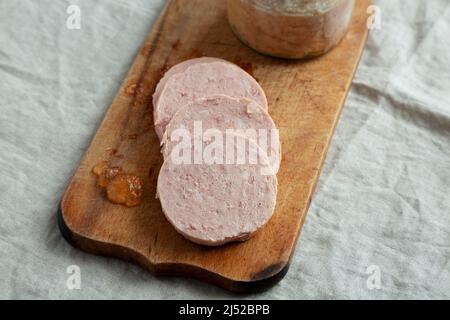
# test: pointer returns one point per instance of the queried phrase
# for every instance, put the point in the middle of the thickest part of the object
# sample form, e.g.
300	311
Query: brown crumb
125	189
107	175
99	168
130	89
121	188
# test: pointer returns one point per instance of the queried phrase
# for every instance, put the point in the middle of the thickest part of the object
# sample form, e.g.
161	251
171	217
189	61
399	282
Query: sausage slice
213	204
202	80
223	113
177	69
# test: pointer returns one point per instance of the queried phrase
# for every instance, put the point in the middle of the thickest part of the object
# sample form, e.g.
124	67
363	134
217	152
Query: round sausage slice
177	69
213	204
226	114
204	80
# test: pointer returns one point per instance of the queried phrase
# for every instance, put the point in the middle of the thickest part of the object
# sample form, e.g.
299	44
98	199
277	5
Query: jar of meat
290	28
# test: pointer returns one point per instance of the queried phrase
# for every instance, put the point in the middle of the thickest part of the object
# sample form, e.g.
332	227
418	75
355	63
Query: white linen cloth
382	204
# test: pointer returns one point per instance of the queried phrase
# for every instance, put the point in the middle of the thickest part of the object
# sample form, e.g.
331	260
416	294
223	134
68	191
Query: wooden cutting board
305	98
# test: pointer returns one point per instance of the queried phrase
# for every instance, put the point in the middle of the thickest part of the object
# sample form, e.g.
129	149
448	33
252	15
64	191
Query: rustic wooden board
305	100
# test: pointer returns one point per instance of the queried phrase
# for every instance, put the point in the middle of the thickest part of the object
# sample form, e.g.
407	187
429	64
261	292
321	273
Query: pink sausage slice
204	80
241	116
176	69
213	204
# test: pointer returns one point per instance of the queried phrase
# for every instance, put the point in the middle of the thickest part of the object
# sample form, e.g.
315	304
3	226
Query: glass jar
290	28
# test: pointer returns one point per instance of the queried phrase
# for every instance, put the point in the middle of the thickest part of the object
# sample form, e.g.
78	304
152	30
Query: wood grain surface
305	101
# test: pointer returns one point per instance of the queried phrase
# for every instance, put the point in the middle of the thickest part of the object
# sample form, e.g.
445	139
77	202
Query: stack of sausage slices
221	151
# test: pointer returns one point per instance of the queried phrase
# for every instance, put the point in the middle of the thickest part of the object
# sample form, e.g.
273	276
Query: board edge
259	281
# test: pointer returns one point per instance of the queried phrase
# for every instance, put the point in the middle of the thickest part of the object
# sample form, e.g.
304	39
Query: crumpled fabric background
382	204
